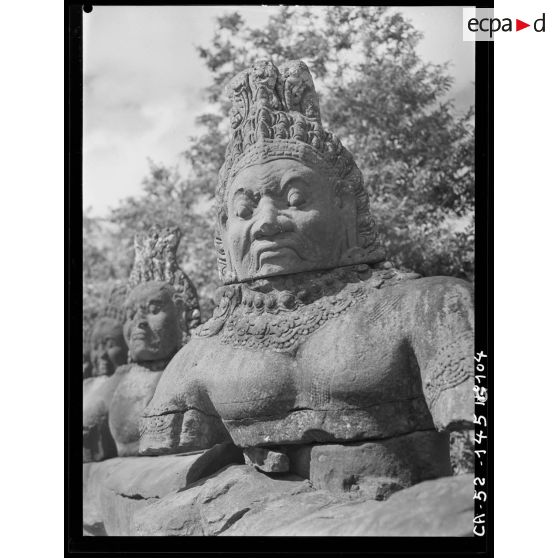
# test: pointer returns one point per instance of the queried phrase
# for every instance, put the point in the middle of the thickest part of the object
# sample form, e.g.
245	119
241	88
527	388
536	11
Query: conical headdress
155	260
114	307
275	114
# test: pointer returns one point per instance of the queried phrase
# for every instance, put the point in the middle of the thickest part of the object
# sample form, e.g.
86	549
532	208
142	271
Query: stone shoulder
181	378
443	296
423	289
420	304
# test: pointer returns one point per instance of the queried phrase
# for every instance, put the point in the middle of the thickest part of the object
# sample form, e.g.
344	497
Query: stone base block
240	501
116	489
376	469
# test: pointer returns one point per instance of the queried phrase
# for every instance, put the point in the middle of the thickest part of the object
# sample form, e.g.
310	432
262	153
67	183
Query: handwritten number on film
480	442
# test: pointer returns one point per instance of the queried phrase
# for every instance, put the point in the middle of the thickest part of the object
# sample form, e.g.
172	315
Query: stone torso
351	378
360	372
136	385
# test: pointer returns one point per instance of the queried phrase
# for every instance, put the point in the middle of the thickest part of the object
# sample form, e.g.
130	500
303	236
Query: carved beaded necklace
277	313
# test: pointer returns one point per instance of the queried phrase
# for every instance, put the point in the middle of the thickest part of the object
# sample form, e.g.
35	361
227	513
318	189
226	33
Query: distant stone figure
108	347
161	309
108	351
321	358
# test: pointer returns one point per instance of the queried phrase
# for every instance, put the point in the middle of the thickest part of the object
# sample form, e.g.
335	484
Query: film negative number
481	396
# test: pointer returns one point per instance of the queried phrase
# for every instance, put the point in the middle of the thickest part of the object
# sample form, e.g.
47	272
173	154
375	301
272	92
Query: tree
104	268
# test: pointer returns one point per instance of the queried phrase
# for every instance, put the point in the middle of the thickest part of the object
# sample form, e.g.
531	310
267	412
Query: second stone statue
161	308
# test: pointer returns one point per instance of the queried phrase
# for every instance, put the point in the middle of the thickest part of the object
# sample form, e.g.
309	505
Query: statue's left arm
442	338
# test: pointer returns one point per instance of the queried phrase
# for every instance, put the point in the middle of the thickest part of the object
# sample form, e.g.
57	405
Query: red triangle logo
519	25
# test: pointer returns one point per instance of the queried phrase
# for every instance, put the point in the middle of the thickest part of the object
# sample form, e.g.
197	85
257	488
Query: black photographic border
77	544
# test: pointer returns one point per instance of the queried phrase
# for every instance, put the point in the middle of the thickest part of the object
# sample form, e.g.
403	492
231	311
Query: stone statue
161	308
107	352
321	358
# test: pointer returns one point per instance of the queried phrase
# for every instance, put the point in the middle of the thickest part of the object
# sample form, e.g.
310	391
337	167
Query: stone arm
180	417
442	339
98	443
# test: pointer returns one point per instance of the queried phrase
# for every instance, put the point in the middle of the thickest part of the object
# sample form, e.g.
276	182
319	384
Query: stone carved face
108	348
152	329
284	217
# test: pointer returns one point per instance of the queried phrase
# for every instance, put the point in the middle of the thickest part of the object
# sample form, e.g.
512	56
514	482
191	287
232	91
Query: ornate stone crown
114	307
155	260
275	114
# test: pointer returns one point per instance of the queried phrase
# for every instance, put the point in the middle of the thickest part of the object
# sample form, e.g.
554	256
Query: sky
143	84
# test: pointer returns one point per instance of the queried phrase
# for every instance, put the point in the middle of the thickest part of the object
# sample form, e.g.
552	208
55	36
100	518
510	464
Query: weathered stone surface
267	460
183	495
136	385
435	508
195	431
241	501
116	489
462	456
94	476
299	459
98	443
216	504
377	469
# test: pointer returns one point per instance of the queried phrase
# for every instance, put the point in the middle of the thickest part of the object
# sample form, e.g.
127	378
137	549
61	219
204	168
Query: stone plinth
239	500
183	495
116	489
377	468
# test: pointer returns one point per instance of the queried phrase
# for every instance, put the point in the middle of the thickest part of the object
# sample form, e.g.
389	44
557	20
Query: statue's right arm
98	443
180	417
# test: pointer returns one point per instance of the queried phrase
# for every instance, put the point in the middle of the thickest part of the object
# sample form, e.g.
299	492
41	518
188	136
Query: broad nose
140	320
268	222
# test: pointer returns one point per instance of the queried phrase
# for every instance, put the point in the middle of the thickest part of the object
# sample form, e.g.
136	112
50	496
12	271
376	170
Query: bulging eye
244	206
295	198
244	211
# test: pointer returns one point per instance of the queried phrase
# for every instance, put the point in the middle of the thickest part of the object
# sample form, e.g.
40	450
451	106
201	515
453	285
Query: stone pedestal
204	494
116	489
241	501
376	469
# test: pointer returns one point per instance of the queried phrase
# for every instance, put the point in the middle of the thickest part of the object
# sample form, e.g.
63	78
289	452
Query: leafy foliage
103	268
170	200
376	94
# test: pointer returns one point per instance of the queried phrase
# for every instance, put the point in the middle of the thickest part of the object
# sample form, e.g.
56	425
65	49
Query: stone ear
222	218
180	310
178	301
343	194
